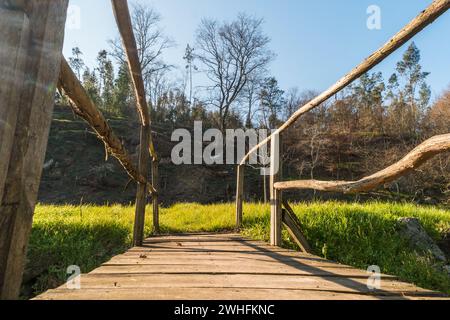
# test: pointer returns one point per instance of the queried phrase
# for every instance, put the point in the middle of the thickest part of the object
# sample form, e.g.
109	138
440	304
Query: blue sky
316	42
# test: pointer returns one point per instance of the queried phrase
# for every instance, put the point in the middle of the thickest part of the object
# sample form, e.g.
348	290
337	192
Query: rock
447	269
412	230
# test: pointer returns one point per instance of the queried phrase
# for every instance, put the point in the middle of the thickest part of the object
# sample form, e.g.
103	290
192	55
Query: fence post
141	194
239	195
275	195
42	53
155	183
14	32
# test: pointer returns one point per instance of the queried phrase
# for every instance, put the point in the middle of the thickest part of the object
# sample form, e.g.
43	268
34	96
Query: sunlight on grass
351	233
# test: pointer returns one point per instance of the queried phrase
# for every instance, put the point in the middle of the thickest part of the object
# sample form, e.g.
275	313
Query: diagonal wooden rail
85	108
429	15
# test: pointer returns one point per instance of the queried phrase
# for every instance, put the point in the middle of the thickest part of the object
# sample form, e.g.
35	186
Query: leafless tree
151	42
230	54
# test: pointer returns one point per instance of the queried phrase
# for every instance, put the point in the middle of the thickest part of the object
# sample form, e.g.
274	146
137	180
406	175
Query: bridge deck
227	266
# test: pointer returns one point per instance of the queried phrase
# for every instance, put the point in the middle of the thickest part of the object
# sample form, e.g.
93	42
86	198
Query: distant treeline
368	126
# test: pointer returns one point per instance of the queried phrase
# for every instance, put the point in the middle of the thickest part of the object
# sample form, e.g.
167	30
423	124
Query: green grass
355	234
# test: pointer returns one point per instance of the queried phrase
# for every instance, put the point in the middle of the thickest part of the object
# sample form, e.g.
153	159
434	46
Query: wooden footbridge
228	267
202	266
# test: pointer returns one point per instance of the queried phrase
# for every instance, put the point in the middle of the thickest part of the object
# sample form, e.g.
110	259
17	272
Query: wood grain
413	160
43	59
225	267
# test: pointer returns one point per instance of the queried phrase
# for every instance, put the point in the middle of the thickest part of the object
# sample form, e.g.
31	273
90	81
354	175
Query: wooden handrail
123	19
85	108
426	17
413	160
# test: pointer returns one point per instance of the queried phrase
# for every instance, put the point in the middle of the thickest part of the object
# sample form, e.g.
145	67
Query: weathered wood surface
123	19
227	266
43	59
155	196
425	18
412	161
14	33
275	194
294	228
239	196
141	195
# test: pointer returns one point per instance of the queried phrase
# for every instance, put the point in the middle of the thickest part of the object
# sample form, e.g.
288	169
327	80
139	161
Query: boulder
412	230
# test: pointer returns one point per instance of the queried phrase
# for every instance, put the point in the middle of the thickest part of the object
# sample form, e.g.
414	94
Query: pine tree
272	101
91	85
122	95
106	73
76	61
368	95
416	93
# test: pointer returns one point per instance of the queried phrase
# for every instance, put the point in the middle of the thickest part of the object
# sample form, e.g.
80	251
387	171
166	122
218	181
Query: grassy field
355	234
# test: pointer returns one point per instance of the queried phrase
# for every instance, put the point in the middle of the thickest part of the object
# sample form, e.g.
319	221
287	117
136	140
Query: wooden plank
239	195
294	228
47	21
206	294
228	260
275	195
212	267
146	273
201	281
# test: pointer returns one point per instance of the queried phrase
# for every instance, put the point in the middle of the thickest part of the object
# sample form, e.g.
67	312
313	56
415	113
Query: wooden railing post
239	195
155	199
14	32
123	19
141	194
275	195
42	53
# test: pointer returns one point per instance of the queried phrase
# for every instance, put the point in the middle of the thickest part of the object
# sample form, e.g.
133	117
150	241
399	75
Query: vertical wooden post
43	59
155	183
239	195
141	195
123	19
265	188
275	195
14	33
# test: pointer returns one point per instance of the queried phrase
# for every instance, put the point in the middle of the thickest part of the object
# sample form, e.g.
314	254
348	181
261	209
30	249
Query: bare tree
151	42
230	54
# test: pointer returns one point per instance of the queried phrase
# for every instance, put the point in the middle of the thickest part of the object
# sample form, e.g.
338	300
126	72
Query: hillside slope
76	171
